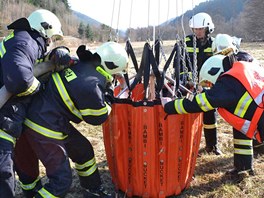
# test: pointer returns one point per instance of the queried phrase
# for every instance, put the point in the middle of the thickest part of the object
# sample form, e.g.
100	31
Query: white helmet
46	23
223	44
202	20
114	57
212	69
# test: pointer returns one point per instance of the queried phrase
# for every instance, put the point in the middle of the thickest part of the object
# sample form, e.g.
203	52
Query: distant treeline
241	18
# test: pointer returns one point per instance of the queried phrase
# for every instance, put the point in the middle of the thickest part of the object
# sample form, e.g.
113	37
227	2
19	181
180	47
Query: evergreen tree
81	30
88	32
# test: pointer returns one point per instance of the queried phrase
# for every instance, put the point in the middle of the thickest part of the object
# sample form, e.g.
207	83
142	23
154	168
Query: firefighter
76	94
20	51
225	45
237	93
202	26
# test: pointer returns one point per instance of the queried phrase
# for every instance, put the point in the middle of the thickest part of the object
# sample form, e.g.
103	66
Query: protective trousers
54	156
7	178
210	134
243	151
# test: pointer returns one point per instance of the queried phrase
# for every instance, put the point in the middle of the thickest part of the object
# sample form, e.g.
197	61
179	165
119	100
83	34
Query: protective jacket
74	94
229	93
203	50
252	78
19	52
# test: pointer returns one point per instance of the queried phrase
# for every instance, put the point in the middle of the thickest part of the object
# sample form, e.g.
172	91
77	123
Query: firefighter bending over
75	94
237	93
23	48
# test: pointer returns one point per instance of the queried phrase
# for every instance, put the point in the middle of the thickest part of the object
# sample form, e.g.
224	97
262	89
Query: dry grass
209	180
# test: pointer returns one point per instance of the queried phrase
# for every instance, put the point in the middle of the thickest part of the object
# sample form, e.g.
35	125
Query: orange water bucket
149	154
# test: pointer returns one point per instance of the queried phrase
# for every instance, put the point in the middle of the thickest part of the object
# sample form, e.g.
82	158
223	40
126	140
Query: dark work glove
61	57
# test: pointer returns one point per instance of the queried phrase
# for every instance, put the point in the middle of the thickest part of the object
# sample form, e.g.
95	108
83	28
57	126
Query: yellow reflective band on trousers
243	104
29	186
44	193
203	103
210	126
44	131
65	96
243	142
178	105
243	151
88	172
7	137
31	89
85	165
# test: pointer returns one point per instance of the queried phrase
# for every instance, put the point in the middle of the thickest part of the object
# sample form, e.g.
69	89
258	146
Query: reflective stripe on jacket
75	94
252	78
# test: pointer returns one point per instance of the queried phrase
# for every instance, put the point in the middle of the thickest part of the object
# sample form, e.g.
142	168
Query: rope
195	69
110	32
148	21
117	26
130	18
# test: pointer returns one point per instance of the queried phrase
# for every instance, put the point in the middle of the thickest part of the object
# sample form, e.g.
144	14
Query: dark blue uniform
19	52
203	52
75	94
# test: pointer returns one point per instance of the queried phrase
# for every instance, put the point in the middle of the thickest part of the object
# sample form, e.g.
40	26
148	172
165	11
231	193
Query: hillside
242	18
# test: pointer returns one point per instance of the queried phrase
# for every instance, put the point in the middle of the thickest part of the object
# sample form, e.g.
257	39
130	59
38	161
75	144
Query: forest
241	18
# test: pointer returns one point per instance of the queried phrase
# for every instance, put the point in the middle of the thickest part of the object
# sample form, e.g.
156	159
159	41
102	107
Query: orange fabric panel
150	156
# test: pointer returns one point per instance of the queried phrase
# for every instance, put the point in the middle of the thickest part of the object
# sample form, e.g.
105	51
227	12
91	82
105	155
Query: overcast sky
132	13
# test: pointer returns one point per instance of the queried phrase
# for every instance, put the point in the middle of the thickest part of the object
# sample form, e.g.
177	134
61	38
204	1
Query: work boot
96	192
213	149
239	176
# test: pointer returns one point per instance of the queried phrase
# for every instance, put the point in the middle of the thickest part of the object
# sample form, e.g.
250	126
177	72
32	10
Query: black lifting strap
130	53
157	51
167	64
147	59
176	65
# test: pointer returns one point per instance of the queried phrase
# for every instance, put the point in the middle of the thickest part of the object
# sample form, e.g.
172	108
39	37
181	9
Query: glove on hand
60	56
165	100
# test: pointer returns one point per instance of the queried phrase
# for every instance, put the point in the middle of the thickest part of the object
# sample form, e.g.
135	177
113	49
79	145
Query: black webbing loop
147	59
167	64
157	51
176	65
130	52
